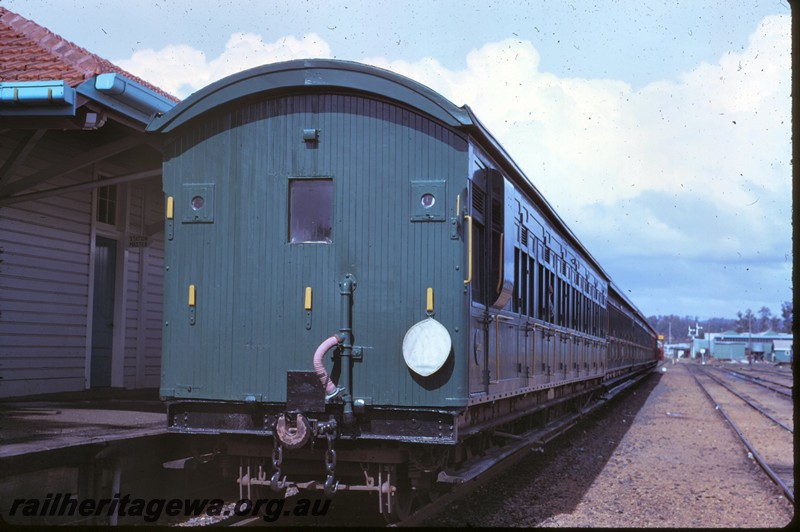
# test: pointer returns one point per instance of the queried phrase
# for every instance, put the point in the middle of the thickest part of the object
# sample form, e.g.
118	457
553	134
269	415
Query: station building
769	346
81	218
679	350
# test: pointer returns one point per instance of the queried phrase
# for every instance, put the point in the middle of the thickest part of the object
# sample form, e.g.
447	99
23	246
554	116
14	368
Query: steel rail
749	403
764	370
761	382
764	379
767	469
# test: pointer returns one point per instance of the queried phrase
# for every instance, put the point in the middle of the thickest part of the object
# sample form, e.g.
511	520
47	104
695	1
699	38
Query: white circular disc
426	347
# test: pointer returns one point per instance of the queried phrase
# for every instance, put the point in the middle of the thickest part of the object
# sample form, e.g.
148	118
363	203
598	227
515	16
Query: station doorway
105	268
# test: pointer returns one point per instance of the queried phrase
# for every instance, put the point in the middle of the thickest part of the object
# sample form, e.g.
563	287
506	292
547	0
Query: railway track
778	383
753	404
495	461
780	369
768	436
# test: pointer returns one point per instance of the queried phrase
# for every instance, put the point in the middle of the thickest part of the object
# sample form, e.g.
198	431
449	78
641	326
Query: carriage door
492	282
479	315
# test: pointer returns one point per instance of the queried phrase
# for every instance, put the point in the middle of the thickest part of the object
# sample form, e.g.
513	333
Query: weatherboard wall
45	284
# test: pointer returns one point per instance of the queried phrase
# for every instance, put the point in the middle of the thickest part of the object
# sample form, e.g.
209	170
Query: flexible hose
319	368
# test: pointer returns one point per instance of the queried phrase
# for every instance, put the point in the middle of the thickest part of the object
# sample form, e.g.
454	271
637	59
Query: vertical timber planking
250	325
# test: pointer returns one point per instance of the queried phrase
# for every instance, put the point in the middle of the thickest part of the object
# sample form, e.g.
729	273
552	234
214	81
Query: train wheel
400	504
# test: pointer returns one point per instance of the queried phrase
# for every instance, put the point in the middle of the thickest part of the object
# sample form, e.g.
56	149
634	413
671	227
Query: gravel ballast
659	456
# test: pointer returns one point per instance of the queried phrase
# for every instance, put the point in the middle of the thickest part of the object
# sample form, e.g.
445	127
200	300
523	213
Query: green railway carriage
320	199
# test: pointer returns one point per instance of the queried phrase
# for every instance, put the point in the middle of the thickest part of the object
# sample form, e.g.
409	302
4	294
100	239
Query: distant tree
764	316
787	315
741	323
745	322
679	327
717	325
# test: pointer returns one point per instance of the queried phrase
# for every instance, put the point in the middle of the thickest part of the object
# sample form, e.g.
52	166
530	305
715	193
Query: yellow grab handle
469	249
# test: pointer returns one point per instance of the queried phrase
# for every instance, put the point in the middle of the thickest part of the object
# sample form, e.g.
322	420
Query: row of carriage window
540	293
549	289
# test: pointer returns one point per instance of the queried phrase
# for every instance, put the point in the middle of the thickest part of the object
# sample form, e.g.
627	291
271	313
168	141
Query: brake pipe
319	368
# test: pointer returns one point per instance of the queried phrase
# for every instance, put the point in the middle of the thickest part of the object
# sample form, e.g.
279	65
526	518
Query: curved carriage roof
358	77
311	73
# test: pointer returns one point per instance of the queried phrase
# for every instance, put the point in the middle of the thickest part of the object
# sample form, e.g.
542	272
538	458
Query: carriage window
531	286
478	265
310	210
523	290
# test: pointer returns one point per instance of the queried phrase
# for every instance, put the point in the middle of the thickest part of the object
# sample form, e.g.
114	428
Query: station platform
32	428
91	445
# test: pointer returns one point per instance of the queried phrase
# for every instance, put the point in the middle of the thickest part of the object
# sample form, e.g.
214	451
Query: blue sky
660	131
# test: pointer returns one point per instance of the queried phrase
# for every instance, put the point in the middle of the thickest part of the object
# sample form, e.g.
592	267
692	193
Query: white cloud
698	166
182	70
606	156
685	175
618	142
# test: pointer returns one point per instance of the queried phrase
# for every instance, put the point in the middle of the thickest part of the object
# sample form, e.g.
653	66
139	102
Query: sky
659	131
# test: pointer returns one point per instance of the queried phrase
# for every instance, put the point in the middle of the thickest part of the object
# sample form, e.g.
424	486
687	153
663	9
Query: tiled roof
29	52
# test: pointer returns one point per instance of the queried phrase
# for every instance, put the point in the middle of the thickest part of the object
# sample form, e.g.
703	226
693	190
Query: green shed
730	351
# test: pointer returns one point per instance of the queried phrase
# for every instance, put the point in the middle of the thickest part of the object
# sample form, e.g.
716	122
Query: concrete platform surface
35	424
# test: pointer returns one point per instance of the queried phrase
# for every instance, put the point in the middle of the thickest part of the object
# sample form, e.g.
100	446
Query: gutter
56	98
37	98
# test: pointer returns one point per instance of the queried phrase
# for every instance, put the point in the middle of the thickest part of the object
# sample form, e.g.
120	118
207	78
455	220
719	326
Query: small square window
310	210
107	205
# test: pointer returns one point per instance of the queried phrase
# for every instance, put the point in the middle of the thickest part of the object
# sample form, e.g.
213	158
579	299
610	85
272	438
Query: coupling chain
331	485
276	483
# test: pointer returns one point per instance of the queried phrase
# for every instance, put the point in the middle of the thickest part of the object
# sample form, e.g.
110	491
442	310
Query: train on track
363	291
